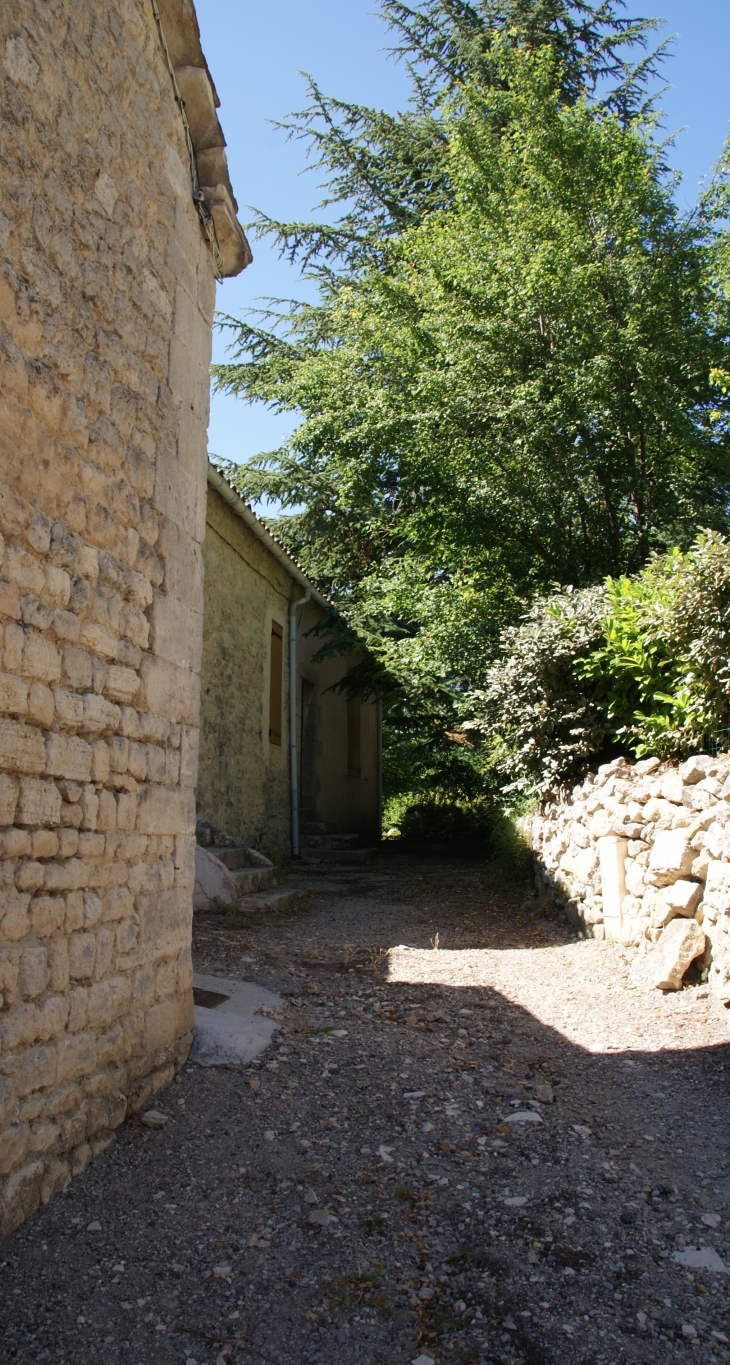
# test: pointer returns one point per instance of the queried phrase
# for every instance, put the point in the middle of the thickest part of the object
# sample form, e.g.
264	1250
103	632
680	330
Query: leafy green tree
514	373
526	391
387	172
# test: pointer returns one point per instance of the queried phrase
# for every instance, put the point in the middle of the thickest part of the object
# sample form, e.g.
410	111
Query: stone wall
106	300
244	780
635	848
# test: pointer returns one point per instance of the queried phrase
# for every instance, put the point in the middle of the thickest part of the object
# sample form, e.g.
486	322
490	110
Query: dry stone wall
106	298
636	848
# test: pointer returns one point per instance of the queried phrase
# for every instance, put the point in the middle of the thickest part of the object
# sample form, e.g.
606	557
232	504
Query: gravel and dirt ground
472	1141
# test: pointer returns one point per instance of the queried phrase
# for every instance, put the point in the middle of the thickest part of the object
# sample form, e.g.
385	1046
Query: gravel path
478	1147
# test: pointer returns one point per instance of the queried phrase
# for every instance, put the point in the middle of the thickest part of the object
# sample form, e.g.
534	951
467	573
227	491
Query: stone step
232	858
248	879
353	856
332	841
267	902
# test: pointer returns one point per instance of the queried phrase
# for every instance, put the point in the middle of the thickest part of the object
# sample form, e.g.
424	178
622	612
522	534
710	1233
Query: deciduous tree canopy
515	374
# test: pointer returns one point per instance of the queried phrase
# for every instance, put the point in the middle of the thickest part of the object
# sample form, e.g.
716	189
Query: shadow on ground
487	1151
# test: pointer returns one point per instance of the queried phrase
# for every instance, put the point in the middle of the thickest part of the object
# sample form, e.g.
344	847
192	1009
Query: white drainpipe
293	690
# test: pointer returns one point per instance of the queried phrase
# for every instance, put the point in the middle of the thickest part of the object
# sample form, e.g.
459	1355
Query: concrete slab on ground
232	1033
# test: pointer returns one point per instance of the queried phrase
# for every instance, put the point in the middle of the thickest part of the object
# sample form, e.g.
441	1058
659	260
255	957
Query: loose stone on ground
494	1151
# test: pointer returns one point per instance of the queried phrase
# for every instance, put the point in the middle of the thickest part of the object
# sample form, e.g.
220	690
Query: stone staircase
229	874
324	843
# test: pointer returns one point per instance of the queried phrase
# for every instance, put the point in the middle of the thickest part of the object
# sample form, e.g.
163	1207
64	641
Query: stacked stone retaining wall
636	846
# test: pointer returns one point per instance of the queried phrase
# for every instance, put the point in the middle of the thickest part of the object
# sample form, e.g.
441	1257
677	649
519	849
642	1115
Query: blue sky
256	52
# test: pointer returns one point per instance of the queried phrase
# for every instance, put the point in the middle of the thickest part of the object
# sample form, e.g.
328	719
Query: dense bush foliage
539	722
663	670
639	665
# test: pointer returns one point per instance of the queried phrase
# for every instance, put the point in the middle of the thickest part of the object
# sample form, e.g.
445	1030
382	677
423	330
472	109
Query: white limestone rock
646	766
717	889
672	786
634	877
632	930
714	840
631	907
701	821
681	942
700	1258
579	865
695	768
657	808
680	899
719	976
701	864
684	897
602	824
670	858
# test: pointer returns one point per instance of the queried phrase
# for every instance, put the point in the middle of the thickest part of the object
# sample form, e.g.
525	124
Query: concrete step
248	879
332	841
267	902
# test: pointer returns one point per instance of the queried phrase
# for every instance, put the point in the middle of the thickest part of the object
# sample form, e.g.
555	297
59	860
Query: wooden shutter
275	683
353	737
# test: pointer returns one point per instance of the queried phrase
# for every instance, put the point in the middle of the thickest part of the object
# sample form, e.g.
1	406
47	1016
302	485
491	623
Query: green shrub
663	670
440	819
510	848
539	722
637	665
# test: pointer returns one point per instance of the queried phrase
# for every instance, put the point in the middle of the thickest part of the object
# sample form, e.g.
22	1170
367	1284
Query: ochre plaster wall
350	803
243	778
243	783
106	300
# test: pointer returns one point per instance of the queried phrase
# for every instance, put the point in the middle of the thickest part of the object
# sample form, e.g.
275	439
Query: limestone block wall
106	299
636	846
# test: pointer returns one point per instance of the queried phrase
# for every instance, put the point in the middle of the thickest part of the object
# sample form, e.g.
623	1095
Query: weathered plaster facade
106	301
244	778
